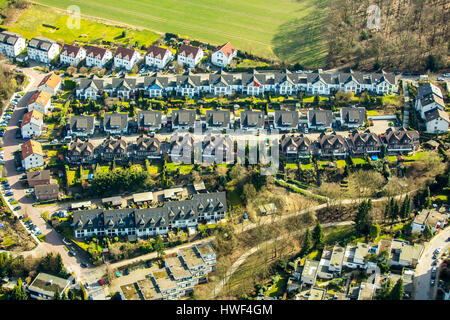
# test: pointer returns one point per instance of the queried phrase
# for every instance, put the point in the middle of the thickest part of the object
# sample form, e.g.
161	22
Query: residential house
158	57
217	119
115	123
81	152
72	55
331	262
40	101
46	192
81	126
309	273
252	120
354	255
181	148
294	147
43	50
114	149
126	58
183	119
429	97
149	120
223	55
32	123
147	148
364	143
45	286
405	254
32	154
50	84
333	145
433	218
189	56
285	120
96	56
207	207
316	294
319	119
40	177
401	140
11	44
218	149
436	121
353	117
223	83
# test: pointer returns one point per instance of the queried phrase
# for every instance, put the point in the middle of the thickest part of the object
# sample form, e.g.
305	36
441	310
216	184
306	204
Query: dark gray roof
9	38
252	119
319	117
285	118
427	89
192	209
149	118
353	115
183	117
82	123
218	118
40	43
118	121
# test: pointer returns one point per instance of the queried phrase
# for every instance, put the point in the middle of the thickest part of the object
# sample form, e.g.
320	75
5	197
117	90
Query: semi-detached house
96	56
11	44
72	55
126	58
189	56
158	57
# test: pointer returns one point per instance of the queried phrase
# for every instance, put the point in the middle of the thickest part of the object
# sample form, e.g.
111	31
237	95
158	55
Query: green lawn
184	168
30	24
308	166
359	161
292	166
278	288
341	163
289	30
420	155
71	177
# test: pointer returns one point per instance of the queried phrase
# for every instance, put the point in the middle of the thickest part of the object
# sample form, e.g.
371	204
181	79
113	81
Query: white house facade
189	56
11	44
126	58
158	57
223	55
72	55
97	57
43	50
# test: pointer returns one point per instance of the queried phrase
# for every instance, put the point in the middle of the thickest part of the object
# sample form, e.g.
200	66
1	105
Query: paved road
422	278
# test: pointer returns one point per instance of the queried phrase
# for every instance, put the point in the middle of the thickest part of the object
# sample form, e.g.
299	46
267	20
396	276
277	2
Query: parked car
84	265
11	199
432	282
17	208
9	194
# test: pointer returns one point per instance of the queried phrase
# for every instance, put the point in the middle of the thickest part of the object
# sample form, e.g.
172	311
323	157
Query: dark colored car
17	208
9	194
84	265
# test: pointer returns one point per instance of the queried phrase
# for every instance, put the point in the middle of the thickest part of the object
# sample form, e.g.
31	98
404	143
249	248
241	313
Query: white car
29	191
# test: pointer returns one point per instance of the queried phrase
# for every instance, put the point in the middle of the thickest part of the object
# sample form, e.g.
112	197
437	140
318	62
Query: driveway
422	278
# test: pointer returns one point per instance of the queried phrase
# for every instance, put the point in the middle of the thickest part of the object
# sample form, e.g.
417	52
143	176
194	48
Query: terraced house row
255	82
200	208
219	148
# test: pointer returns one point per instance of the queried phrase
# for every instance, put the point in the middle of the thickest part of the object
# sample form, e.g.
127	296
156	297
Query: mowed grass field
31	23
286	30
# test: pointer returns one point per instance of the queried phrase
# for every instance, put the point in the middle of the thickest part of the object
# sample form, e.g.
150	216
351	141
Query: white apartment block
43	50
11	44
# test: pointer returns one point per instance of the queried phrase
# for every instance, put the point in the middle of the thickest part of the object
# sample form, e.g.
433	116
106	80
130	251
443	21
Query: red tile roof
40	97
52	80
125	53
227	49
189	51
96	52
157	52
69	50
31	147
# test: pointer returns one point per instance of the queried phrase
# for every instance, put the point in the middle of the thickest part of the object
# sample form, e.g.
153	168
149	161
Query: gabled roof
218	118
286	118
149	118
353	115
38	175
227	49
70	50
117	120
41	43
9	38
52	80
187	50
34	117
125	53
157	52
40	97
436	113
31	147
82	123
252	119
81	146
319	117
96	52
